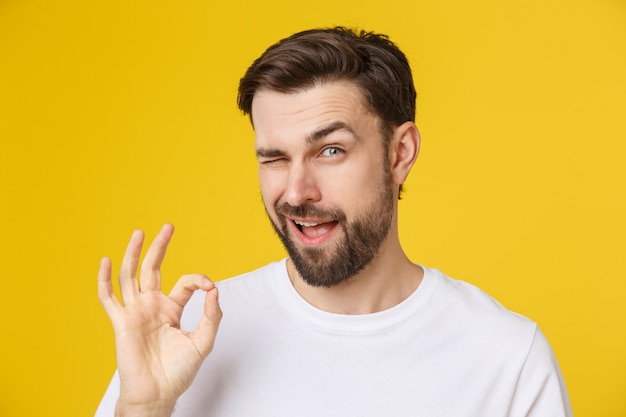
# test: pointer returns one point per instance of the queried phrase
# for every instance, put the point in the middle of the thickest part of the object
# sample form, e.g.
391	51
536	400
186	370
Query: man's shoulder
470	306
466	294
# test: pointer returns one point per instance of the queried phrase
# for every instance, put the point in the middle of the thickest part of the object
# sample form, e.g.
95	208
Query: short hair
369	60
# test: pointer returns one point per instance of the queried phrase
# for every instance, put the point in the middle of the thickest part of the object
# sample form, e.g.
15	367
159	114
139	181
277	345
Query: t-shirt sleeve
540	390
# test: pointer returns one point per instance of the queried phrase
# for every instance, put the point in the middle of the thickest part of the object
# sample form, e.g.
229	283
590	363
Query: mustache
308	210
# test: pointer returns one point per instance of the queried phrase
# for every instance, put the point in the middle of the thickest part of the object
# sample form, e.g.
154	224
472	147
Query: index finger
151	265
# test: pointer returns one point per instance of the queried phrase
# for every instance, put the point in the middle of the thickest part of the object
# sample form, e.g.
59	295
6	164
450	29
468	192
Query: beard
362	238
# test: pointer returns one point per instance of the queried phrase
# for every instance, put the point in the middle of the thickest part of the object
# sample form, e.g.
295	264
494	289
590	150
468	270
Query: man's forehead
270	101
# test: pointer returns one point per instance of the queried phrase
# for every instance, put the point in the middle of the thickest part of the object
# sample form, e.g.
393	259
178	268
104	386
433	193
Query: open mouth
314	232
302	225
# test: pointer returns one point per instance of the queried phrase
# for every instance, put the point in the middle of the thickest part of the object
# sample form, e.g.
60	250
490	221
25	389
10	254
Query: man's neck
385	282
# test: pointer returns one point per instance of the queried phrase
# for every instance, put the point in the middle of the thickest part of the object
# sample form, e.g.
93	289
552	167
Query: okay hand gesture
157	361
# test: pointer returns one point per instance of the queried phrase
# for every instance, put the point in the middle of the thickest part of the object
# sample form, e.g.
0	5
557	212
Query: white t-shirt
447	350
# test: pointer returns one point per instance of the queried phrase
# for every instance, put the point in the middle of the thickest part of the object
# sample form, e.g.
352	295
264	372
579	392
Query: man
347	325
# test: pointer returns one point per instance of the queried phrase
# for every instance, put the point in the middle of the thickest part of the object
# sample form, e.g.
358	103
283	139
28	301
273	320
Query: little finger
105	287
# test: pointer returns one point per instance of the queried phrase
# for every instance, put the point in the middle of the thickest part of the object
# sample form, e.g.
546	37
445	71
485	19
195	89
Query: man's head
333	114
370	61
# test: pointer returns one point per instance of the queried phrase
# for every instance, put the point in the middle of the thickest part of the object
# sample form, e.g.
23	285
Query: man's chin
323	270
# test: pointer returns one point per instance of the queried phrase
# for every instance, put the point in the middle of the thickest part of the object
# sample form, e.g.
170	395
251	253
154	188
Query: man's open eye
332	151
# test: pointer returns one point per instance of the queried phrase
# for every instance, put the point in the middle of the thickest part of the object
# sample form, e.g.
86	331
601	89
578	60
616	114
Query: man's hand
157	361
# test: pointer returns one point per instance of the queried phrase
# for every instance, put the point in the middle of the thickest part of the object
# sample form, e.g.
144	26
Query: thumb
204	336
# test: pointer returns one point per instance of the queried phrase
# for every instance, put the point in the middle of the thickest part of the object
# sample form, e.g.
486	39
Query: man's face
325	179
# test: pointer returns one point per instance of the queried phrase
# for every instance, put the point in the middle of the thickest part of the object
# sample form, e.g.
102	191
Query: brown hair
369	60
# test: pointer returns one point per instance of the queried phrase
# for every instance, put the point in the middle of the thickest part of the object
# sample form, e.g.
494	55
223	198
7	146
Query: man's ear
403	151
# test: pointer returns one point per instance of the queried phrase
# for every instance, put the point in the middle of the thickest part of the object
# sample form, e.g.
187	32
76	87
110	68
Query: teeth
305	224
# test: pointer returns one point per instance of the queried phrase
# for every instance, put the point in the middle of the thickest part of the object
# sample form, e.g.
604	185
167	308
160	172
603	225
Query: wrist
153	409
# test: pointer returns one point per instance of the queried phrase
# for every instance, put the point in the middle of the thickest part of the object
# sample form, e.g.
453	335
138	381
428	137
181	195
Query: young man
347	325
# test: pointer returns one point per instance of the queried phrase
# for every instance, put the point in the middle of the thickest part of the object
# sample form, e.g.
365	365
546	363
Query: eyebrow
327	130
268	153
315	136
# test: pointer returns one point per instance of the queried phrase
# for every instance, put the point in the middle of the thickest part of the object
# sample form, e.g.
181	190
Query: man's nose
302	186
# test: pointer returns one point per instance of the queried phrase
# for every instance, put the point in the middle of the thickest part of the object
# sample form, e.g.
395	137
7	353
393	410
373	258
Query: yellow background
117	115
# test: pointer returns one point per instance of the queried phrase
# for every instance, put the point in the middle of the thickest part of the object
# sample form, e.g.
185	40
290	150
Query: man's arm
157	361
540	388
